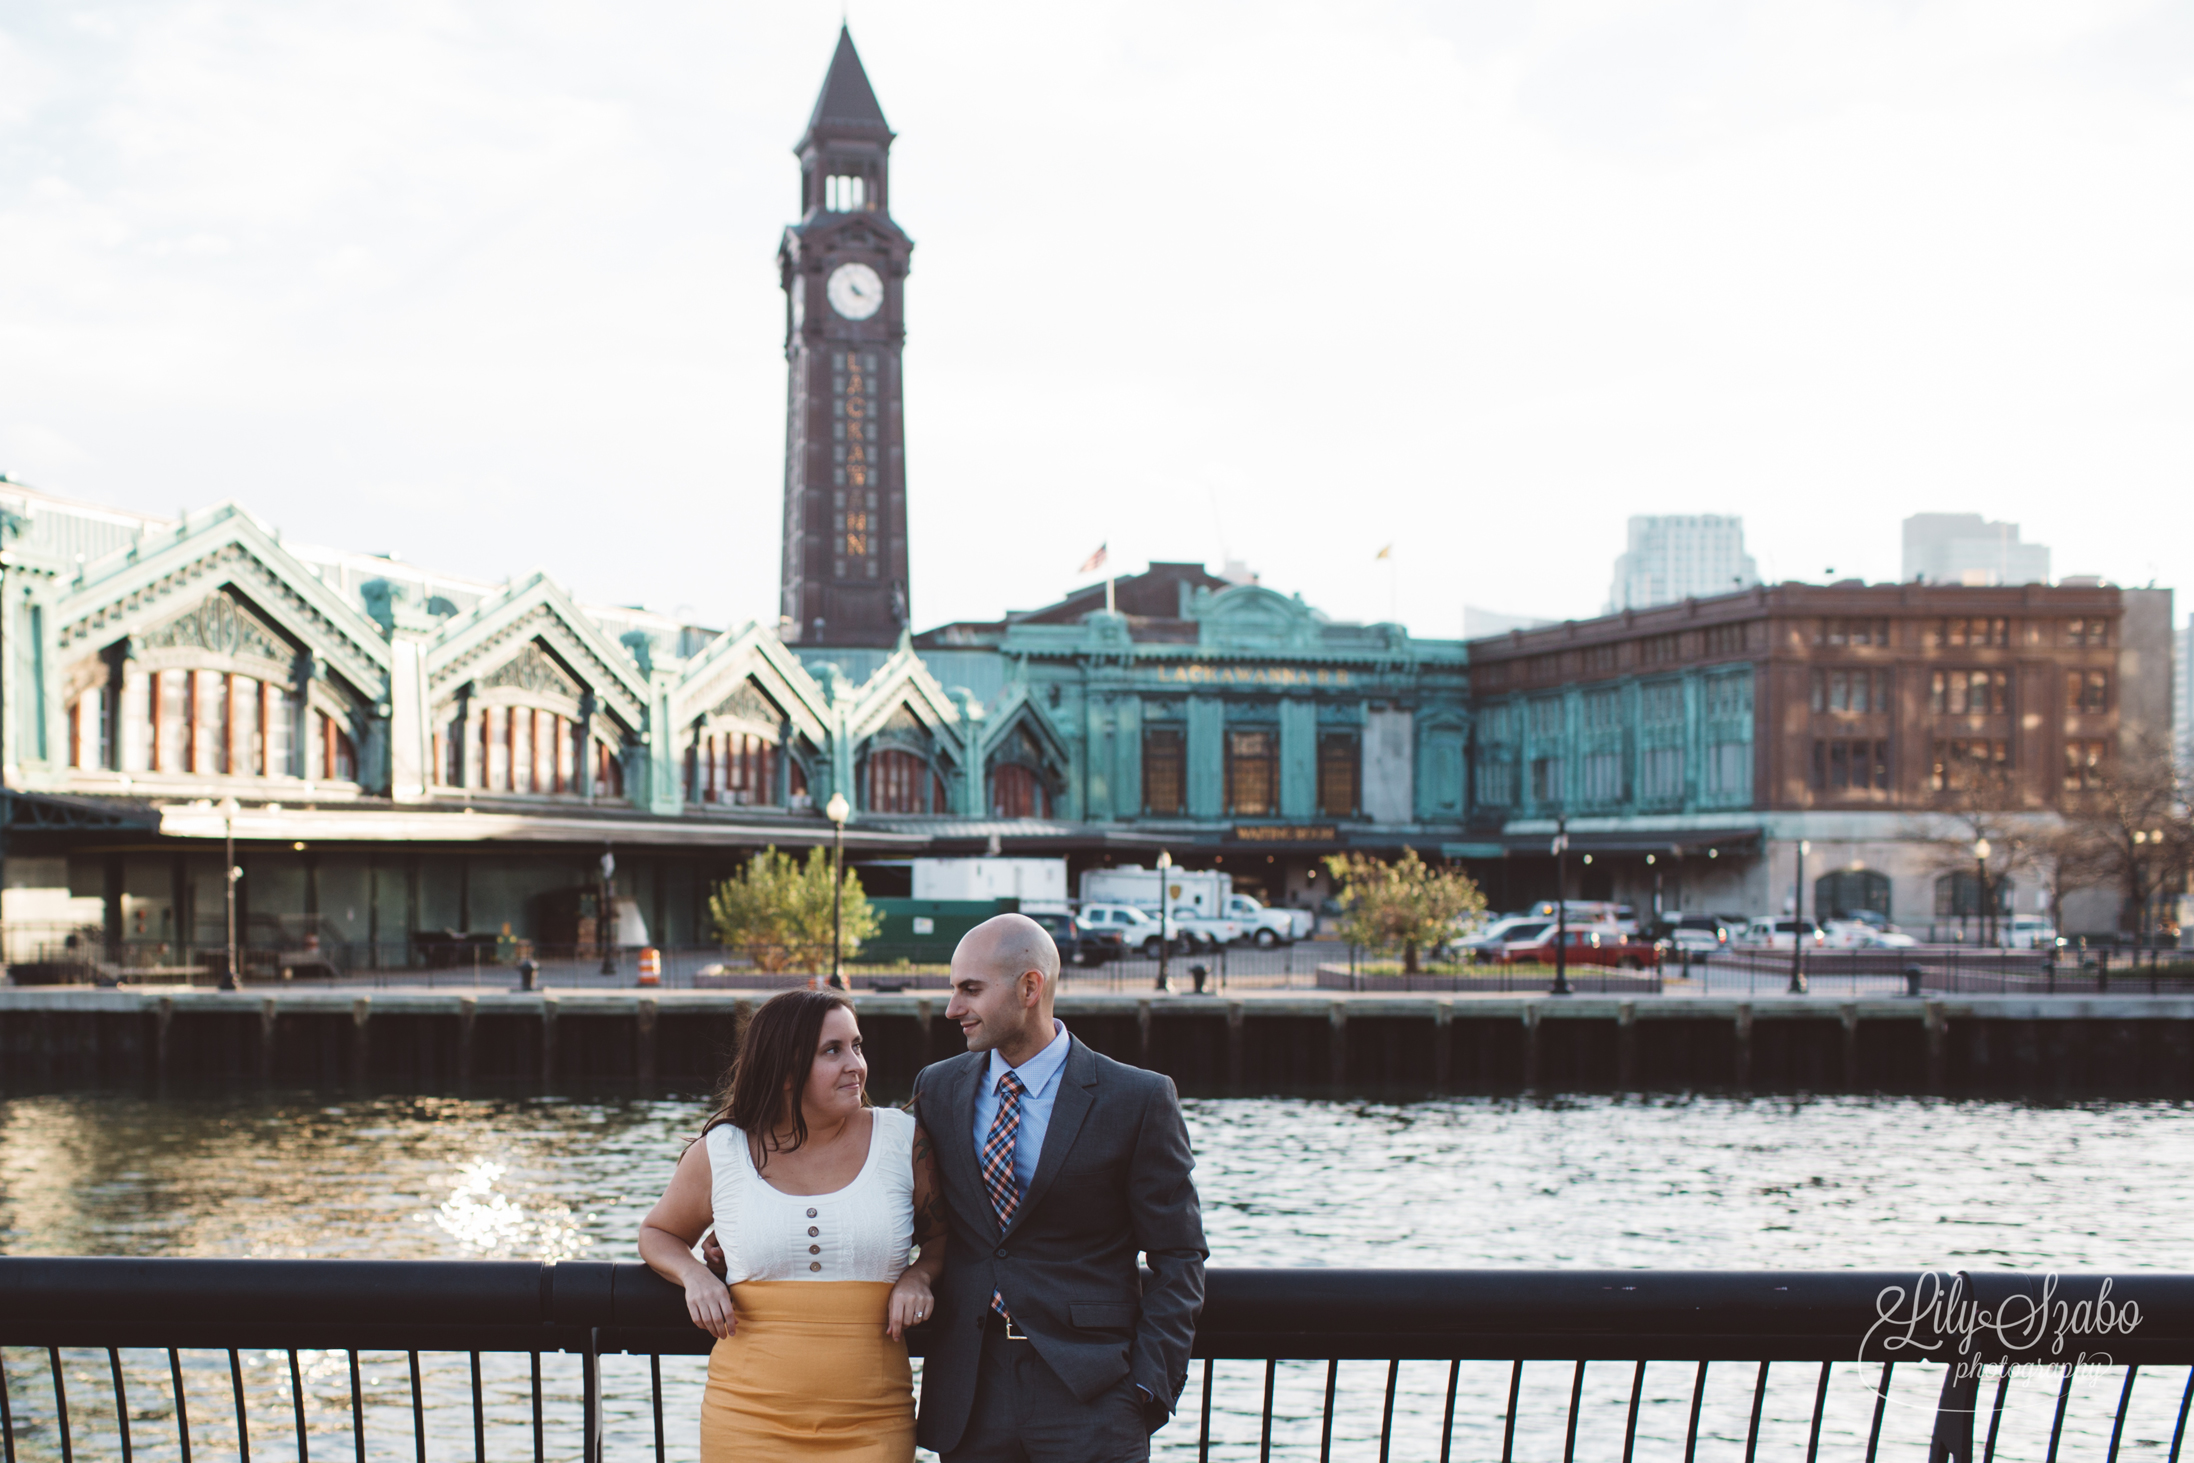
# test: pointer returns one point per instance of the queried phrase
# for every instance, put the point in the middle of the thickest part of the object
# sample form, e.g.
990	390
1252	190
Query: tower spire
847	106
844	267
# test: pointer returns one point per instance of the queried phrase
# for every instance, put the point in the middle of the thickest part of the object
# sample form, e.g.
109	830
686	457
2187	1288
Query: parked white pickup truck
1208	929
1269	926
1138	929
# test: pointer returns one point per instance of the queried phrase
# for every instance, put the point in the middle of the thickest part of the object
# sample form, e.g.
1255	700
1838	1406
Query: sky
492	286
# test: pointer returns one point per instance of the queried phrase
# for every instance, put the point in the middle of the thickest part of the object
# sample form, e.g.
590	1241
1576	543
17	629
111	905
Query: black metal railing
492	965
488	963
155	1359
1945	970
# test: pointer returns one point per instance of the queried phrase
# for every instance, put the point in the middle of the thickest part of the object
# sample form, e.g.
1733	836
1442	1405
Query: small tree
1407	903
2133	830
778	911
1981	804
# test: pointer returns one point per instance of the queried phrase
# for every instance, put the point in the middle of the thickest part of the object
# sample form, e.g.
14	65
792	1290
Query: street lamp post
230	873
1797	924
1165	934
1561	907
1981	851
837	810
2155	902
605	916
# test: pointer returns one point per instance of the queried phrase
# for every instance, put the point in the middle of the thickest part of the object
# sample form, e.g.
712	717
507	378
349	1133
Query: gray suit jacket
1112	1180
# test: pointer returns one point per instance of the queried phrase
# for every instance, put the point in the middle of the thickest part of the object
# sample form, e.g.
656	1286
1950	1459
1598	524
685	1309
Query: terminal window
1018	792
1162	771
895	782
1339	762
1250	777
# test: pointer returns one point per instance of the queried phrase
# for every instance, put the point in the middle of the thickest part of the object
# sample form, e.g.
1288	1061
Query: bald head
1004	975
1008	945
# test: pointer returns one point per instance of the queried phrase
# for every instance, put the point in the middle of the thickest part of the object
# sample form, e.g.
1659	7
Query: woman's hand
709	1303
911	1304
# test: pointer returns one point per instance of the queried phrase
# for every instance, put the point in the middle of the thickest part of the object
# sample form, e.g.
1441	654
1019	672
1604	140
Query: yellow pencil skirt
809	1373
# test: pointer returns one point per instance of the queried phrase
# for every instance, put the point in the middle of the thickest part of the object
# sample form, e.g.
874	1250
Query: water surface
1708	1183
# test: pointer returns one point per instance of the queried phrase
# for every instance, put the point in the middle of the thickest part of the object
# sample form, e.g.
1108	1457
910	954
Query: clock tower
844	268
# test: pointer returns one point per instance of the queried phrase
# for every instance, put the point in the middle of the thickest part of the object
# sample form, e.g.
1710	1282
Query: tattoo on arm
929	1222
929	1194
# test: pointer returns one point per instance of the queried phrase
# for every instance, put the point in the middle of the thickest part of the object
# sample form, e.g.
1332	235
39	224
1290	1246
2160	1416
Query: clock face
855	291
799	301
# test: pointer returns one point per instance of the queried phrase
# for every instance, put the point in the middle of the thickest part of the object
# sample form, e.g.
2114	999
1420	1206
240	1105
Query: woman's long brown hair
760	1095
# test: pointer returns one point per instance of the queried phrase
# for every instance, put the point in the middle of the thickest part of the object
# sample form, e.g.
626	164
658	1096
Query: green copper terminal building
399	756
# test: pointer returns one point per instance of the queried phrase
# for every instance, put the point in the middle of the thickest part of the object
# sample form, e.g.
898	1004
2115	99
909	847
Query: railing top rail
1646	1314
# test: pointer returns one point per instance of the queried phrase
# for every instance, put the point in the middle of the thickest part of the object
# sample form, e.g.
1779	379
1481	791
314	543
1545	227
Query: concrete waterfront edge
1301	1042
596	1001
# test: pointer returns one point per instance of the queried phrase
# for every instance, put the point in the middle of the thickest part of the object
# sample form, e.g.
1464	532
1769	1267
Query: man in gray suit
1059	1166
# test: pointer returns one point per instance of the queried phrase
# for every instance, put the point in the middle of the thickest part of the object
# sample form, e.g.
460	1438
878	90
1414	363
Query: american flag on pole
1094	561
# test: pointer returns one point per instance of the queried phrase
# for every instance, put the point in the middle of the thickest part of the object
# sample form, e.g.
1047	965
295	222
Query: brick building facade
1853	716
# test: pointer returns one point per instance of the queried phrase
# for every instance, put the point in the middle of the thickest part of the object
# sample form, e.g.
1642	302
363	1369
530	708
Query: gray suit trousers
1024	1414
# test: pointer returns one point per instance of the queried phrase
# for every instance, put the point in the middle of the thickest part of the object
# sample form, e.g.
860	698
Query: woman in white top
815	1198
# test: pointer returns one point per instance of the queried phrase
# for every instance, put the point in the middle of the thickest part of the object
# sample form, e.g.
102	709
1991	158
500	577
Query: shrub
1407	904
778	912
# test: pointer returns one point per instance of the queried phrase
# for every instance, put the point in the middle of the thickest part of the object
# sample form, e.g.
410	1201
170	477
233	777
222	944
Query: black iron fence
37	955
492	963
1520	979
1947	970
121	1358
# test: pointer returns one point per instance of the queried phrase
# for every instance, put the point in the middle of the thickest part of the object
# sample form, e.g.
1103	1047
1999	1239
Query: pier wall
1400	1046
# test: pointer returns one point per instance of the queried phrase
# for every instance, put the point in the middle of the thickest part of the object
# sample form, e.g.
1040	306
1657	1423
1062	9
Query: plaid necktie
1005	1194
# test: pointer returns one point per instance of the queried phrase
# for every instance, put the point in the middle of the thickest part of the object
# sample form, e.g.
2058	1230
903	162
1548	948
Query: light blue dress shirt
1040	1076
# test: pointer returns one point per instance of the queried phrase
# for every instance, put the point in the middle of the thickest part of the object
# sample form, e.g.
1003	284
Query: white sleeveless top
861	1232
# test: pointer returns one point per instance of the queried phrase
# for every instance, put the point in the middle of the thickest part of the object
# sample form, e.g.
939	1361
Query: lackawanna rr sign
1286	833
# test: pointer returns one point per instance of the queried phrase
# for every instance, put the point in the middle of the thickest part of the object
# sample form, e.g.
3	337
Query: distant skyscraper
1965	548
2182	696
1676	556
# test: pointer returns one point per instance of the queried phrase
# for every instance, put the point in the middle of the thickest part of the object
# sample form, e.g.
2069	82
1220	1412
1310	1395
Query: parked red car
1597	945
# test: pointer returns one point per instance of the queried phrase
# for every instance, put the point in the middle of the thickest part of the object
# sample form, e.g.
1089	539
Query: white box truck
1209	892
1039	883
1206	890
